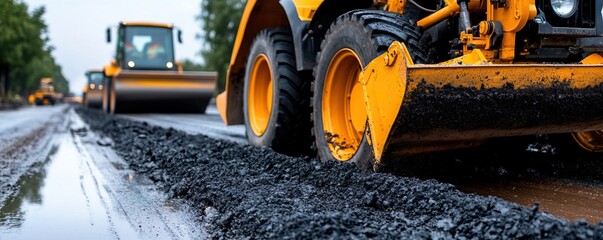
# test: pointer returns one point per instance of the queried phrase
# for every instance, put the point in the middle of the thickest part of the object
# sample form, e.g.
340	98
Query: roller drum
160	91
94	99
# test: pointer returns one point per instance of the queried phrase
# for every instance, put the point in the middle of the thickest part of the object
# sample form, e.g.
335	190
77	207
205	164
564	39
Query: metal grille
585	16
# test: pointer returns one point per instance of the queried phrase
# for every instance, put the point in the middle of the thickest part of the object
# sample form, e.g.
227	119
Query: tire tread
292	129
383	28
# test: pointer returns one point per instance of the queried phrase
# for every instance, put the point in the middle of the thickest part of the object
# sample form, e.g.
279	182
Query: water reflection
79	193
30	184
62	199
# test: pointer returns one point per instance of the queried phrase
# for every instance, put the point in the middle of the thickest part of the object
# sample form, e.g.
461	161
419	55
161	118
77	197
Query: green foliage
21	36
25	55
189	65
220	22
29	75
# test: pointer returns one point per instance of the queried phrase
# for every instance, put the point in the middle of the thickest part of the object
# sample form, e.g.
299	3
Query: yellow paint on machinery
590	140
491	52
147	24
256	16
45	95
383	110
306	8
260	98
145	77
342	91
159	85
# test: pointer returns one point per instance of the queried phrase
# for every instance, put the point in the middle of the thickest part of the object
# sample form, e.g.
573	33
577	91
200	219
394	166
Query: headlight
92	86
564	8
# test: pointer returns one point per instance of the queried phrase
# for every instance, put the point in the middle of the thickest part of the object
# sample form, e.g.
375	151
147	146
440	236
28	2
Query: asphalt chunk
243	192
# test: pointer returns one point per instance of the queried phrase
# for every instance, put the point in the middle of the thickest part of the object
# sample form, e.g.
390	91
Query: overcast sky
77	29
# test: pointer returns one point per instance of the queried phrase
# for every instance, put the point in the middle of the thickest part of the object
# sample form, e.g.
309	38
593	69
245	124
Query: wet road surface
572	201
241	191
209	124
26	137
74	186
82	190
562	198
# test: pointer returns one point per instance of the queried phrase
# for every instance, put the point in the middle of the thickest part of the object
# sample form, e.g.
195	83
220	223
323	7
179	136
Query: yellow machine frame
477	59
142	90
43	94
271	14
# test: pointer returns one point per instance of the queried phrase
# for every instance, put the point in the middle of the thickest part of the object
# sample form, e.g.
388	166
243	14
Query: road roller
378	81
45	95
93	90
144	76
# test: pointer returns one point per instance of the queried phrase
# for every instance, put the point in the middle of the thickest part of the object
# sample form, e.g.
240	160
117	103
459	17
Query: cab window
148	48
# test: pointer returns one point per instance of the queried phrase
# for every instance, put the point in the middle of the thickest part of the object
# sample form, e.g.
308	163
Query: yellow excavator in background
144	76
93	91
375	81
45	95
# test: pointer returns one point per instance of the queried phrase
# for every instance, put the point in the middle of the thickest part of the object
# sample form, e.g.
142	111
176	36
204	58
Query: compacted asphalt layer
240	191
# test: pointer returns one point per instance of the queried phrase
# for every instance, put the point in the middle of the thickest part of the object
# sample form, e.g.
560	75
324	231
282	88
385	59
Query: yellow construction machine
144	76
45	95
93	91
375	81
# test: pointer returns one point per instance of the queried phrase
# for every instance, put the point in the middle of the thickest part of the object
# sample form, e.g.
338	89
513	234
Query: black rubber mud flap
368	33
289	129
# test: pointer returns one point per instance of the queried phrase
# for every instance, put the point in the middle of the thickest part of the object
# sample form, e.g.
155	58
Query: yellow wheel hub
591	141
343	112
260	95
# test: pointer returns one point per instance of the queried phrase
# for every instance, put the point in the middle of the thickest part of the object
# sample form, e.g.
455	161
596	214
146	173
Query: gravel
245	192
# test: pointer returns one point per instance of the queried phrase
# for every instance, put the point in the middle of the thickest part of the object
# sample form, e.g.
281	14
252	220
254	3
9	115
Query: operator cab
145	46
46	85
95	80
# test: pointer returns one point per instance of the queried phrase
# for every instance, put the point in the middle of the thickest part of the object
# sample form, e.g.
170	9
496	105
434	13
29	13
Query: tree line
25	52
219	24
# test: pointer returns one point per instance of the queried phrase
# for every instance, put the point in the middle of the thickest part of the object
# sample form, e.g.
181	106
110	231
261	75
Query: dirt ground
240	191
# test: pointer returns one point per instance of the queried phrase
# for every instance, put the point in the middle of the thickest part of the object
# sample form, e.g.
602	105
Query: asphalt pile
243	192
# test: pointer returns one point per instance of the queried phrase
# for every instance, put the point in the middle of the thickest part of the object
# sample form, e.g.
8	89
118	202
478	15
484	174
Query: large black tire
288	130
368	33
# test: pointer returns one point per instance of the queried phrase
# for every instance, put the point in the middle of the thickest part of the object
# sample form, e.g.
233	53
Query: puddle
10	214
566	200
79	192
29	193
62	199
